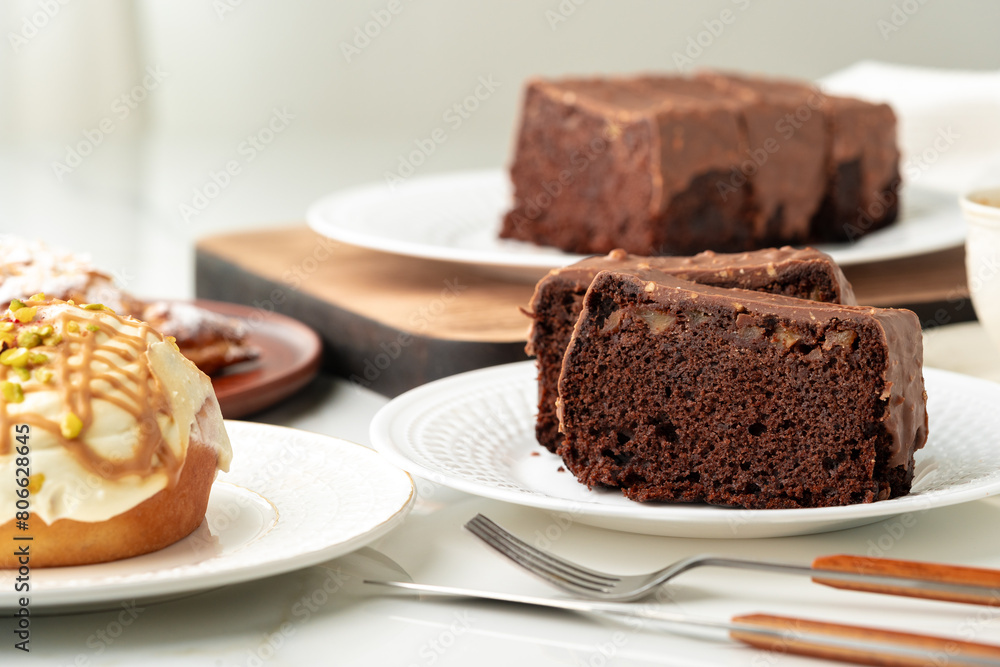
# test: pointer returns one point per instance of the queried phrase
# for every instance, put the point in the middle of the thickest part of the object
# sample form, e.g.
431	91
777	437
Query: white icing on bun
111	404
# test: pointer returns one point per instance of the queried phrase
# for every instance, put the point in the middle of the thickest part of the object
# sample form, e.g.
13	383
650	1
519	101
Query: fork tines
541	563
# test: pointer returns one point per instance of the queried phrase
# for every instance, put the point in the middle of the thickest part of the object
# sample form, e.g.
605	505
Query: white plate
475	432
291	499
456	217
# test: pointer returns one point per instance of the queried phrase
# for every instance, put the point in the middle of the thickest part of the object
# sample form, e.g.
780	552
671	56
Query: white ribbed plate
475	432
291	499
456	217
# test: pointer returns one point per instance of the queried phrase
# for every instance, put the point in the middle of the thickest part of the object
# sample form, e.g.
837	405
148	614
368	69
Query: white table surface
253	623
239	625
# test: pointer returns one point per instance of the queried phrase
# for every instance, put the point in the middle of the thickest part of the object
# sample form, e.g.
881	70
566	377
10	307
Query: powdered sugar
185	321
30	267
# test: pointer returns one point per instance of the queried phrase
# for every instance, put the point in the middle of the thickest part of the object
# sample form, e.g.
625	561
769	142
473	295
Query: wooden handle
989	580
871	646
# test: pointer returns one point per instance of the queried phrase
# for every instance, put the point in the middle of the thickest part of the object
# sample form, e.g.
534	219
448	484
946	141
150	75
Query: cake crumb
535	454
621	398
560	469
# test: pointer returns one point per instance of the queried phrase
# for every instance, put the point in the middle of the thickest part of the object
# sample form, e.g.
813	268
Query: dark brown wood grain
936	277
387	323
392	323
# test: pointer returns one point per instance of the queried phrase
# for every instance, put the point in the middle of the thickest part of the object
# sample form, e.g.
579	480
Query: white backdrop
231	61
309	96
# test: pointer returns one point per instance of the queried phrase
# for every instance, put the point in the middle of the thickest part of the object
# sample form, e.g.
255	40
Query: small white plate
475	432
456	217
290	500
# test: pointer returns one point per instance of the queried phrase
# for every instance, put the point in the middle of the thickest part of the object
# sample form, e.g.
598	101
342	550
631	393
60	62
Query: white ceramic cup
981	209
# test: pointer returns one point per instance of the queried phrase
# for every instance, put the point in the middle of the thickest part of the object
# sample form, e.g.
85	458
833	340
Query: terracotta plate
289	358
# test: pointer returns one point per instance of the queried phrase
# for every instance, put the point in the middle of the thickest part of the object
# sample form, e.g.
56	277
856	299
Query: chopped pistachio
16	304
7	337
44	375
16	356
37	297
12	392
25	314
23	373
54	339
93	327
6	326
72	327
95	306
44	330
37	358
35	482
29	339
70	426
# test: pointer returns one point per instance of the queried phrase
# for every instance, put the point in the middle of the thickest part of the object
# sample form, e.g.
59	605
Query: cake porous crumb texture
677	392
558	300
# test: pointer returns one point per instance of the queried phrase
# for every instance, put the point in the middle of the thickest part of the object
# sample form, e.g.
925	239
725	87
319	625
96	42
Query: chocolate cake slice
558	300
664	165
673	391
629	163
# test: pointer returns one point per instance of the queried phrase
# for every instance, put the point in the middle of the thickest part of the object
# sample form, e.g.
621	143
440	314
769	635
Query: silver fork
876	575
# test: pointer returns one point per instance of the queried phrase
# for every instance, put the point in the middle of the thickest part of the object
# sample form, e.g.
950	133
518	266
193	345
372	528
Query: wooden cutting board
392	323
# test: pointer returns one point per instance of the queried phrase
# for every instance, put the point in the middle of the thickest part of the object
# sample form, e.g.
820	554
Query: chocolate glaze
694	127
750	270
788	157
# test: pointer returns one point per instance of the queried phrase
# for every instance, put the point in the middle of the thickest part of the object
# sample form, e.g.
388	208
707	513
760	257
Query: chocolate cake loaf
851	155
675	391
665	165
558	300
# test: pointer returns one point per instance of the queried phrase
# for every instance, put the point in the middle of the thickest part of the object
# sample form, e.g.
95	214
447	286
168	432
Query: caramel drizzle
144	399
